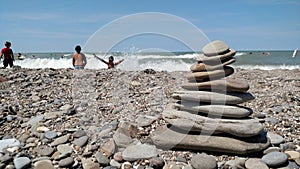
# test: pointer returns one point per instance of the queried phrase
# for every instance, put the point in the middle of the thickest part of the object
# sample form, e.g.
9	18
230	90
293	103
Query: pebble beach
65	118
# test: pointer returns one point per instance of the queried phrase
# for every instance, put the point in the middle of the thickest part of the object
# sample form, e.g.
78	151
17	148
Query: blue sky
59	25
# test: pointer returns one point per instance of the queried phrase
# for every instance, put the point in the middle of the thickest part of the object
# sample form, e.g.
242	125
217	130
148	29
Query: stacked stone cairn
206	115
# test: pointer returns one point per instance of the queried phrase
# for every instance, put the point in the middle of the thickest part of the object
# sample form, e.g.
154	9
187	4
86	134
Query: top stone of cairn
214	48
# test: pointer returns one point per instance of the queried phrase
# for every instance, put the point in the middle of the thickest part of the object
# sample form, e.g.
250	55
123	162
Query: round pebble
275	138
44	164
44	150
50	134
201	161
275	159
255	163
64	149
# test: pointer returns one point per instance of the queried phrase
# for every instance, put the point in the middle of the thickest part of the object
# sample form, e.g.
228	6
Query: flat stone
166	138
216	60
35	120
144	152
118	156
44	150
144	120
199	67
293	155
271	149
275	138
79	133
66	162
255	163
297	161
225	84
275	159
203	161
50	134
64	149
81	141
102	160
232	111
43	164
122	138
22	162
215	47
109	147
193	122
9	143
213	74
90	163
61	140
213	97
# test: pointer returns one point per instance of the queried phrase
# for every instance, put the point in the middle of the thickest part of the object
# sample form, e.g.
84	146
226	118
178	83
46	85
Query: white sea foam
158	62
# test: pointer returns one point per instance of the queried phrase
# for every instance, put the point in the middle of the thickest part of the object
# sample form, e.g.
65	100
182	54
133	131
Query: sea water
162	61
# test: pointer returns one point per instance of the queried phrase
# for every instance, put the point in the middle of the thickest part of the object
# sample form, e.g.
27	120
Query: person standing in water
79	59
8	55
110	64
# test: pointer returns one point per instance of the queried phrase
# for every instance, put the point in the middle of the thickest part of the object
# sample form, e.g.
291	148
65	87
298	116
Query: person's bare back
79	59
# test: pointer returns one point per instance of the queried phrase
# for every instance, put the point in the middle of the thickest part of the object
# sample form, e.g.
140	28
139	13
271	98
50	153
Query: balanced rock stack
206	115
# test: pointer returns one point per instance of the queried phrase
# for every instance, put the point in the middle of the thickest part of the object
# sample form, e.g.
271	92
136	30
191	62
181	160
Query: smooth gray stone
79	133
197	67
213	74
64	149
215	60
9	143
81	141
66	162
213	97
44	150
255	163
140	151
192	122
224	84
168	139
50	134
232	111
22	162
35	120
275	138
275	159
203	161
102	160
215	47
271	149
43	164
61	140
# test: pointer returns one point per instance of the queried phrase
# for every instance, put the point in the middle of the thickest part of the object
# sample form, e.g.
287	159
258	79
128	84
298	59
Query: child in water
110	64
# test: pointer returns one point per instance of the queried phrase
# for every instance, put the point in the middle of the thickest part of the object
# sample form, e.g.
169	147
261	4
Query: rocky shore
63	118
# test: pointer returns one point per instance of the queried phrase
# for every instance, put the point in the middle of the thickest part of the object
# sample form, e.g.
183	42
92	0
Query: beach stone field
65	118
